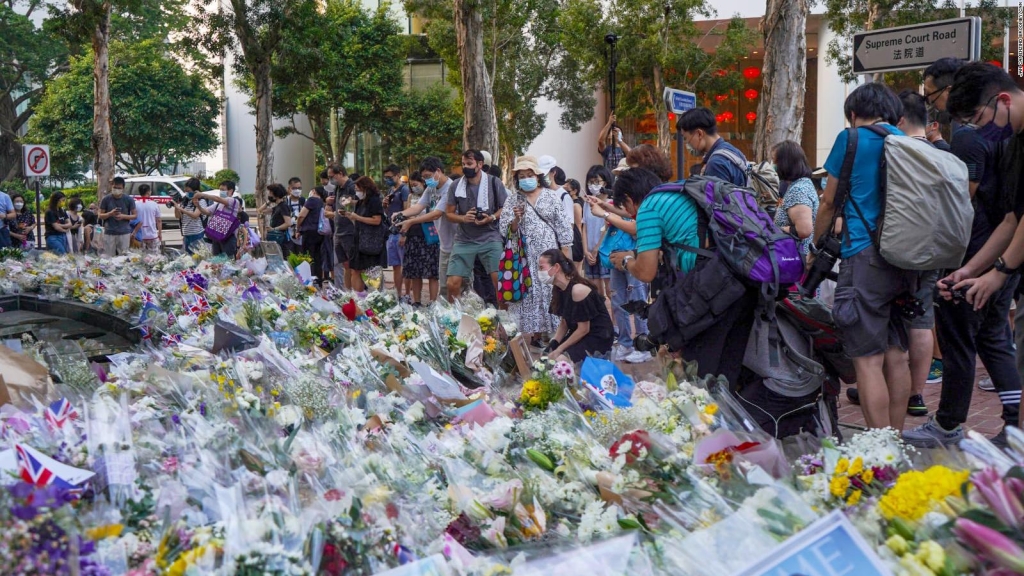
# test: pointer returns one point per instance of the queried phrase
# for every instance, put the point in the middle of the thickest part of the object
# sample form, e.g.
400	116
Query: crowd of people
574	260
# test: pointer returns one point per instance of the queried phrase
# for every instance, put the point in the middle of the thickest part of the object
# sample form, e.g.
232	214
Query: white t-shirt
148	213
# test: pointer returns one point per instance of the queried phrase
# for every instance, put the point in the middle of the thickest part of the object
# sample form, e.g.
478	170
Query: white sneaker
638	357
619	353
986	385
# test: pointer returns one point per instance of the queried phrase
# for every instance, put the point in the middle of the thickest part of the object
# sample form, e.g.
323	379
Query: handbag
430	233
514	279
323	225
614	241
372	238
222	224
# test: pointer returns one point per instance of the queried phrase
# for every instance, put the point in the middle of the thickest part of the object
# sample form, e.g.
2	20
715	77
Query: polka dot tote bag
514	279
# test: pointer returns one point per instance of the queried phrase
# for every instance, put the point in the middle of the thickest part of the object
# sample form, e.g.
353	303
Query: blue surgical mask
993	132
389	182
431	182
527	184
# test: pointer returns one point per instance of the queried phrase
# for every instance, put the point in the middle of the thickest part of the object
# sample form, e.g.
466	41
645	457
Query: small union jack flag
202	304
147	298
100	286
147	334
38	469
171	319
171	340
59	412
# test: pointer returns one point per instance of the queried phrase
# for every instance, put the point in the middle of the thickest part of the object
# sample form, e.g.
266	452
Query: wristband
1000	266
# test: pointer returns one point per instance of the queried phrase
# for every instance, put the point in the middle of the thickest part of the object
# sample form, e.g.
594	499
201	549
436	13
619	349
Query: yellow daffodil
854	498
839	486
857	467
107	531
842	466
868	476
916	493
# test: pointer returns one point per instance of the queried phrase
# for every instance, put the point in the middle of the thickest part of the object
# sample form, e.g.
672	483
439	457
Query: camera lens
644	343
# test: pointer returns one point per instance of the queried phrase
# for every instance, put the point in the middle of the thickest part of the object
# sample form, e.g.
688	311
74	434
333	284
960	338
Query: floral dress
539	226
799	192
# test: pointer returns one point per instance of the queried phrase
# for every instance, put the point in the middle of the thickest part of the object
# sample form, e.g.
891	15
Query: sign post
916	46
37	165
678	102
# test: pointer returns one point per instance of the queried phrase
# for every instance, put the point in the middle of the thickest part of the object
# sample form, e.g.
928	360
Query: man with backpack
720	159
986	97
866	309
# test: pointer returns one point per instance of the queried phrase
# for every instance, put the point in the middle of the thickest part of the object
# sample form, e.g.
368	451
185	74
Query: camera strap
843	188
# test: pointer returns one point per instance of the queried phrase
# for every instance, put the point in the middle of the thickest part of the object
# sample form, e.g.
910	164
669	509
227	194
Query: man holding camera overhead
474	205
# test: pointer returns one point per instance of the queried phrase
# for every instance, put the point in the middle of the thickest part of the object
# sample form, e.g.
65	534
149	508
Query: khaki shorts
464	256
116	244
864	309
442	271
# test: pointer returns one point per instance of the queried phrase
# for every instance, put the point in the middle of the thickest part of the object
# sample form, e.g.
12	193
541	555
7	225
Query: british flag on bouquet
147	334
169	340
100	286
171	319
59	412
38	469
201	303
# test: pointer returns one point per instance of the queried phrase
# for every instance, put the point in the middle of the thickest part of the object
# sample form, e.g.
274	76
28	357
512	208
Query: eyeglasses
973	122
929	95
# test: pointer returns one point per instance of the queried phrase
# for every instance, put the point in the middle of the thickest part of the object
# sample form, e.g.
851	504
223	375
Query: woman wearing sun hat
535	212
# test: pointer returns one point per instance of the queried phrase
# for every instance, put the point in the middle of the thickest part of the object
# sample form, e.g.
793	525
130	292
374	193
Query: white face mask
19	205
545	276
296	192
117	192
595	189
360	195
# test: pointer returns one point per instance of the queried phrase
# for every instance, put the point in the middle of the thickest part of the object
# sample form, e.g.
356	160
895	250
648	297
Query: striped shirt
191	226
668	216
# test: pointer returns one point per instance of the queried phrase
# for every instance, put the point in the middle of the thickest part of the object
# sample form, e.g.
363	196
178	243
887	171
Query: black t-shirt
591	309
54	216
314	205
281	211
990	203
369	207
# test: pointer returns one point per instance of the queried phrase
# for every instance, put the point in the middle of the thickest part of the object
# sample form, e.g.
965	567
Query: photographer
873	325
396	200
474	205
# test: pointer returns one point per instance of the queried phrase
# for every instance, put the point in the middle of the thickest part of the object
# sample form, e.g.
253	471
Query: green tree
430	125
847	17
161	115
528	57
341	66
252	30
659	47
29	57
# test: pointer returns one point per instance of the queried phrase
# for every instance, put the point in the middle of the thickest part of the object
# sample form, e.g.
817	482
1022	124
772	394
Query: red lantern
750	94
721	97
728	116
720	118
671	116
751	72
751	116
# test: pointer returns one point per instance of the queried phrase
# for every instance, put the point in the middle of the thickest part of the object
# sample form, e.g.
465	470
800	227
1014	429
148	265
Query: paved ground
983	417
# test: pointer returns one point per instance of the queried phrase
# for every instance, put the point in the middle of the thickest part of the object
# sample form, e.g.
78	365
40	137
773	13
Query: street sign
679	101
916	46
37	160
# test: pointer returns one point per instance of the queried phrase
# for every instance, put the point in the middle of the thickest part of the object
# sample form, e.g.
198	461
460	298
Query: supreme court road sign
916	46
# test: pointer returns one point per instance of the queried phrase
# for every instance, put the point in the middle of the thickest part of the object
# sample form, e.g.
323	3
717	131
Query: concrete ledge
77	311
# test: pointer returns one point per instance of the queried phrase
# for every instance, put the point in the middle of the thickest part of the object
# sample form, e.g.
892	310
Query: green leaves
160	114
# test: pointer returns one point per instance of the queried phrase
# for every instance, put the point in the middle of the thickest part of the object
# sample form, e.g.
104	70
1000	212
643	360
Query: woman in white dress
535	212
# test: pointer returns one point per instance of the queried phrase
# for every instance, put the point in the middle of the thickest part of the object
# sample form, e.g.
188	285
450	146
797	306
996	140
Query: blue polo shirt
6	205
864	185
672	217
720	166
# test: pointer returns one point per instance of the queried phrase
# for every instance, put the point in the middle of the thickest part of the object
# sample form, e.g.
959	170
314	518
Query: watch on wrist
1000	266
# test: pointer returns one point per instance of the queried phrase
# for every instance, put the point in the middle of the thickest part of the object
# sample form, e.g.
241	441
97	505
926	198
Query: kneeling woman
586	327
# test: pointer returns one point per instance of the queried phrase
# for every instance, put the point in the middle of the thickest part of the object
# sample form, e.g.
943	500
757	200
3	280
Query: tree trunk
10	151
336	153
264	130
481	123
102	142
780	113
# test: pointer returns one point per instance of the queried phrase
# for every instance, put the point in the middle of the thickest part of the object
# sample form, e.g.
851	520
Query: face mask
19	205
223	193
117	192
77	207
469	173
296	192
331	187
545	276
431	182
595	189
417	189
995	133
360	195
389	182
528	184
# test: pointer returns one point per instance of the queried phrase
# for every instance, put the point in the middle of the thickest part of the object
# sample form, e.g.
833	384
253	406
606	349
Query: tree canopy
160	114
430	125
341	60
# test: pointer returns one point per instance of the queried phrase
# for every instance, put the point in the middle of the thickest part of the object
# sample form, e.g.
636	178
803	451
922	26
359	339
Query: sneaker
916	407
935	374
638	357
853	395
931	435
986	385
999	440
619	353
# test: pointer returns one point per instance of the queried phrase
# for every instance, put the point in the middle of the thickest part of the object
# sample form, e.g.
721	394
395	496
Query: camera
481	214
642	342
958	295
396	224
909	306
825	258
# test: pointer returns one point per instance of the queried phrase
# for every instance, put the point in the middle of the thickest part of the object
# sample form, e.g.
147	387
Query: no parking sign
37	160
